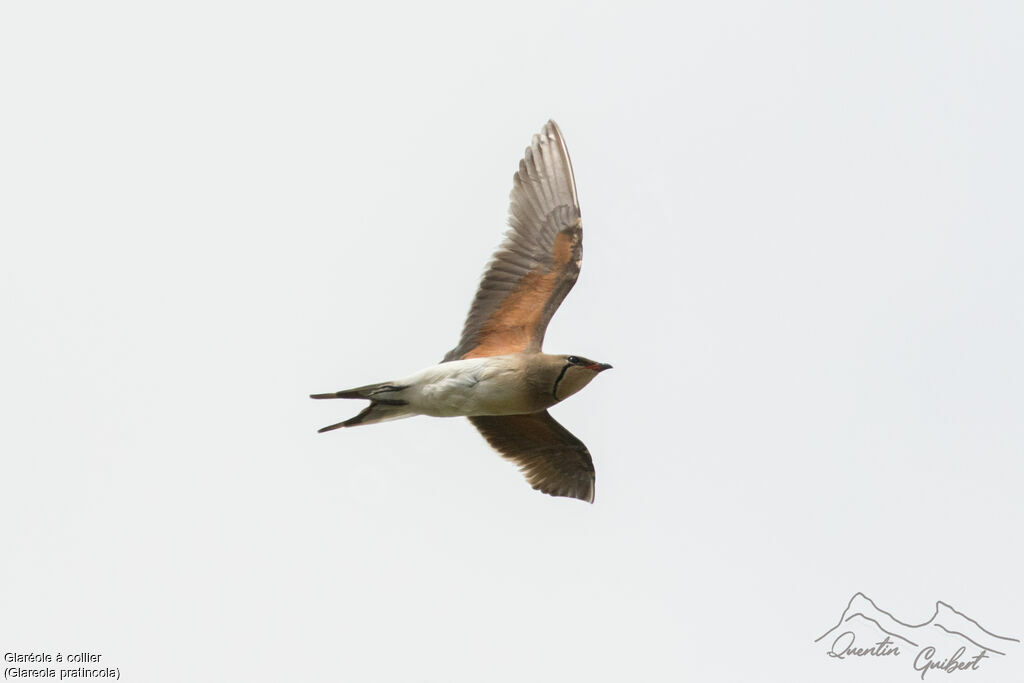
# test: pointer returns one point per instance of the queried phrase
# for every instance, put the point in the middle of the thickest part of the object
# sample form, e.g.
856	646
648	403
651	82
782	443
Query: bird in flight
497	375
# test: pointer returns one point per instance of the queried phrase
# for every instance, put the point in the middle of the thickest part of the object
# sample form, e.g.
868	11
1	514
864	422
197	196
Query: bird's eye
573	359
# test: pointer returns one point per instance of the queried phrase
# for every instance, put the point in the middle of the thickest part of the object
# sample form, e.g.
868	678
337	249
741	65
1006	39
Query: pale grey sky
803	239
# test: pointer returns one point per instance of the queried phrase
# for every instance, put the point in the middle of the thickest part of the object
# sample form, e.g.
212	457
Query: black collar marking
554	391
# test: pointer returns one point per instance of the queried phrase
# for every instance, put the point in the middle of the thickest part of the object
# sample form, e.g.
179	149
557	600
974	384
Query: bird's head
574	374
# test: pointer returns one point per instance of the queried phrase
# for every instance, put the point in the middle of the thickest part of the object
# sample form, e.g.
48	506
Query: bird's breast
479	386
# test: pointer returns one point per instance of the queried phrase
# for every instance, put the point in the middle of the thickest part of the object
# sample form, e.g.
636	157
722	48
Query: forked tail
385	404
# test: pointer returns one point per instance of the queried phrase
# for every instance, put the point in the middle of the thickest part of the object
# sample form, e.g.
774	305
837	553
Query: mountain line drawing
946	619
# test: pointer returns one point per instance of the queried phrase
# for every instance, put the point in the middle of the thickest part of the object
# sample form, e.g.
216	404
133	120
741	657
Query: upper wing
539	261
553	460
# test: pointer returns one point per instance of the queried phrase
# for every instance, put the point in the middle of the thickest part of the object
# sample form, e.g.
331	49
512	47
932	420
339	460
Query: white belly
478	386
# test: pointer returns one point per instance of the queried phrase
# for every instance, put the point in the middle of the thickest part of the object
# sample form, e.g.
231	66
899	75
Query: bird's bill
599	367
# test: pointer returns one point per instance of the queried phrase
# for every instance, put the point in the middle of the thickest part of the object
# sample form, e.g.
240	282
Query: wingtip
588	495
585	495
